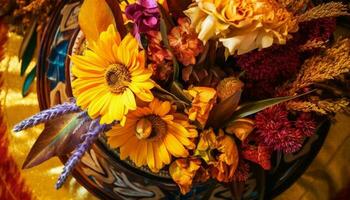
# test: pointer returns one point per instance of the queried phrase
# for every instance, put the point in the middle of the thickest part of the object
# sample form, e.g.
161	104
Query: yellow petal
96	105
145	95
117	107
80	85
157	159
147	85
146	75
142	155
84	98
104	46
184	140
94	17
174	146
163	153
105	107
139	149
163	108
178	128
129	99
90	62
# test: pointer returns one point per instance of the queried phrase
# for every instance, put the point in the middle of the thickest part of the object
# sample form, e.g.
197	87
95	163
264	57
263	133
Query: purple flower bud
46	115
95	130
145	15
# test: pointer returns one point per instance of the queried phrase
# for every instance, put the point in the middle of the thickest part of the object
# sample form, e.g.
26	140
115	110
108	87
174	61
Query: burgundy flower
288	140
274	118
275	130
271	67
144	14
306	124
242	171
320	29
268	68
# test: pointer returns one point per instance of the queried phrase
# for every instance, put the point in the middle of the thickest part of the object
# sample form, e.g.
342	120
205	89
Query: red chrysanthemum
275	130
288	140
306	124
274	118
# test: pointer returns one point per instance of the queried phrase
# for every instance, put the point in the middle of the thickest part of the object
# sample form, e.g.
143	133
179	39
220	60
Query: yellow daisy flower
109	75
152	135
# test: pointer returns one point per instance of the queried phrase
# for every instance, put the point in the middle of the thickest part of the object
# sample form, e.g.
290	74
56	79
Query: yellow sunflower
152	135
109	75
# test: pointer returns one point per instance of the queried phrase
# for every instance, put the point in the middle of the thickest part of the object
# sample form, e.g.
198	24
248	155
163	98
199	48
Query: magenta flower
145	15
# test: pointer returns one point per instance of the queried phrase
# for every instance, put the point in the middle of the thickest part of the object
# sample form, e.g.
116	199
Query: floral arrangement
201	89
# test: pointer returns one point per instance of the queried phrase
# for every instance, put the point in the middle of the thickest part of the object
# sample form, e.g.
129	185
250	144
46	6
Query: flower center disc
117	76
150	127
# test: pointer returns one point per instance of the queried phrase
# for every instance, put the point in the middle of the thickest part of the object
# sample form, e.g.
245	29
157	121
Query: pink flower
145	15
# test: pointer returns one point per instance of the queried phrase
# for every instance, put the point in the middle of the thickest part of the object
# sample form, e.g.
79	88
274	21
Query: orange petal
117	141
163	153
142	155
157	159
127	149
94	17
163	108
182	138
150	156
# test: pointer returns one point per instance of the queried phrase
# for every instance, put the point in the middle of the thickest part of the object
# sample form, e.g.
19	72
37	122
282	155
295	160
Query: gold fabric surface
41	179
328	173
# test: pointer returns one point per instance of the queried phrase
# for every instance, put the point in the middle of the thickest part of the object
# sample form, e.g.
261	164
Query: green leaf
27	49
28	81
256	106
164	34
171	95
259	173
56	139
176	89
222	111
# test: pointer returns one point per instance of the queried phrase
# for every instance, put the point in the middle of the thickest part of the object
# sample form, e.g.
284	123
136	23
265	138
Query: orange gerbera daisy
152	135
109	75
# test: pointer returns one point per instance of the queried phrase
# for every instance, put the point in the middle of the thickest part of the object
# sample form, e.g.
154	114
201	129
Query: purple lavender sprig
84	117
47	115
89	138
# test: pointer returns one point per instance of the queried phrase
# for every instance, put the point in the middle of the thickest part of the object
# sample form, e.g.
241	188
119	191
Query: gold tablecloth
329	172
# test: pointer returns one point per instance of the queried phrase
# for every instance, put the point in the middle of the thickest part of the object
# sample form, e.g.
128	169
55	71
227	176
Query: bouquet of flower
200	89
